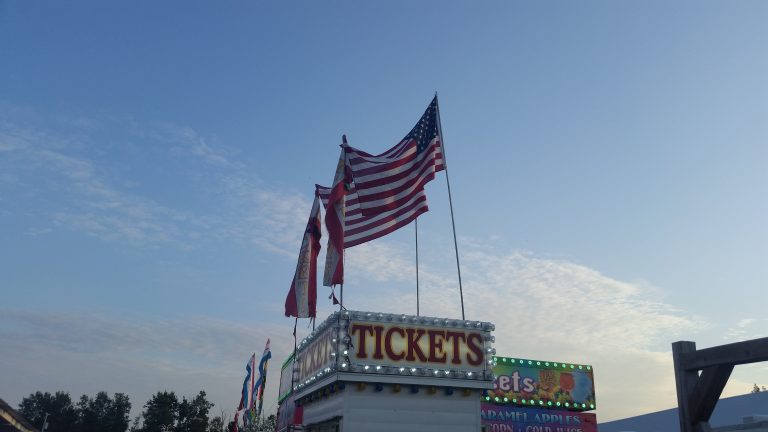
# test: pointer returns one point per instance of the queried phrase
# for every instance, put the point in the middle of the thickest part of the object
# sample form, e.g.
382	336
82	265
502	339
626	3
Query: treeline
164	412
101	413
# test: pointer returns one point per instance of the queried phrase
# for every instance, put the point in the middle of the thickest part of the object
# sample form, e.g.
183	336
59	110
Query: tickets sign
497	418
394	344
404	344
317	354
542	384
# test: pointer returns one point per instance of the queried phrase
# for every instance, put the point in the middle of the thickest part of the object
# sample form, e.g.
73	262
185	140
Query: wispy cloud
95	197
745	329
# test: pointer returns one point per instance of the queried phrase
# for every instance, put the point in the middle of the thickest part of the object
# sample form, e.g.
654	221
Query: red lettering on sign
362	351
436	339
413	344
377	347
388	343
457	338
474	344
402	343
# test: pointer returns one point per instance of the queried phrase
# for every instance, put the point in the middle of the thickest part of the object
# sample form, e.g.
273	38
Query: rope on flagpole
450	203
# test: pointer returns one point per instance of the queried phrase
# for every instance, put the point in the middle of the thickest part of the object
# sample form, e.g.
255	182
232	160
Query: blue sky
157	163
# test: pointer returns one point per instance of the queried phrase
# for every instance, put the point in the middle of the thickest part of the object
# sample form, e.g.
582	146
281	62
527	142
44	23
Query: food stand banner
498	418
542	384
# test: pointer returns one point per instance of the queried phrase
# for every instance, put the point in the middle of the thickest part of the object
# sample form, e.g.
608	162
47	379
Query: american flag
395	179
387	191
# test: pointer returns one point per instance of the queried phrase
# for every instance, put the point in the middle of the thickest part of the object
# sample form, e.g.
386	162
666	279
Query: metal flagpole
450	203
343	250
417	265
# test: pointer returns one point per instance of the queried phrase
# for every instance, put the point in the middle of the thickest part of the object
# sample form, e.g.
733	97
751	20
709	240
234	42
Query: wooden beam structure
698	393
751	351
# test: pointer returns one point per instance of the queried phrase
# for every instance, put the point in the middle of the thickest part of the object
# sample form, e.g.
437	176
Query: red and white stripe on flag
359	228
301	301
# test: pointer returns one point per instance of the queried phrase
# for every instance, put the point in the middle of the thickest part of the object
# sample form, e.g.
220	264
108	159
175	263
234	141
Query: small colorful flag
246	400
258	389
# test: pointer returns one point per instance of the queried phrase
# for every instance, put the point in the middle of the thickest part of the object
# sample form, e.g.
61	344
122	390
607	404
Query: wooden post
685	381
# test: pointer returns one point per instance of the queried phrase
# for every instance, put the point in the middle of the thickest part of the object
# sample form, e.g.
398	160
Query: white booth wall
369	410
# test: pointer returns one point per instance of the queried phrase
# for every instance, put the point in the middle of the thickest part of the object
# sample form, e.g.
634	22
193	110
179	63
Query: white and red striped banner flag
301	301
334	222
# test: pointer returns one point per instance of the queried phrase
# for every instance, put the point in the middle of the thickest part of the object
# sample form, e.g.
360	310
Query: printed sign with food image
542	384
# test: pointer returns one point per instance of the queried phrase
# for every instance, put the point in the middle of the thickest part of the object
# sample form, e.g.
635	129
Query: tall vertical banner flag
334	222
390	187
246	401
302	297
258	389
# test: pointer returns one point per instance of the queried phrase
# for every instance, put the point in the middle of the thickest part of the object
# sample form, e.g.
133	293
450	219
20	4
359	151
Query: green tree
193	415
269	423
160	412
261	425
216	424
136	426
62	413
103	414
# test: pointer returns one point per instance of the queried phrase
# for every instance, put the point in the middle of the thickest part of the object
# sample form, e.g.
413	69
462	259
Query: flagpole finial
344	139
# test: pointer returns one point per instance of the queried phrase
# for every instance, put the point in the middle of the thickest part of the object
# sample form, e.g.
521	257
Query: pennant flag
302	297
258	389
395	179
246	400
334	222
333	298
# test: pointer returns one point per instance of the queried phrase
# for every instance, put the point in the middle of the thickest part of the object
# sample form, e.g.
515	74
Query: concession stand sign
497	418
542	384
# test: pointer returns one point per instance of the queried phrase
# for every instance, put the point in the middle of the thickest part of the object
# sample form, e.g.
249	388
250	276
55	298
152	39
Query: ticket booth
380	372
